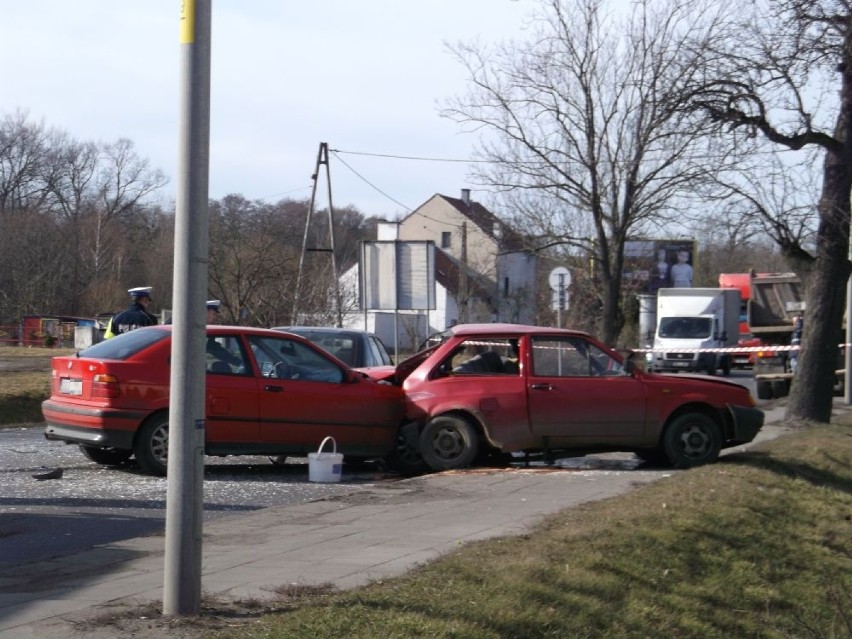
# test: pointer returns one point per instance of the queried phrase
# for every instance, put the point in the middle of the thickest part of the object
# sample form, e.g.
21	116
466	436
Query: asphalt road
91	504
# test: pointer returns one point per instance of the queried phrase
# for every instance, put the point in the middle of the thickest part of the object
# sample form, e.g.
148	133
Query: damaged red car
491	389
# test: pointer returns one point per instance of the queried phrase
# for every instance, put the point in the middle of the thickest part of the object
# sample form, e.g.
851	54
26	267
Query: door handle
541	386
272	389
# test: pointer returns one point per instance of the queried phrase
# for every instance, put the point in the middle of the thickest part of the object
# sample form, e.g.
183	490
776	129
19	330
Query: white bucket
325	467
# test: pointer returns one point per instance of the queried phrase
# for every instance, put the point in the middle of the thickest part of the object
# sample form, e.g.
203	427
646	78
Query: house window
446	239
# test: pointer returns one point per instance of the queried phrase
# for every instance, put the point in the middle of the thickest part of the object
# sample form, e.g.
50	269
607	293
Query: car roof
323	329
503	328
217	329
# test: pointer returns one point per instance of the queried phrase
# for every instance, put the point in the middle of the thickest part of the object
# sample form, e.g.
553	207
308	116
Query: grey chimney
465	196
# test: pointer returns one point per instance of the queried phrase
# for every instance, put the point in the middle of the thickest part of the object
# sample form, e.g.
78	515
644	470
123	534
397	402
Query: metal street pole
847	378
184	510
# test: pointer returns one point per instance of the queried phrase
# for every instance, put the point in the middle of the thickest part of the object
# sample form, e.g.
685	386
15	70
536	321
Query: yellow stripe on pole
187	21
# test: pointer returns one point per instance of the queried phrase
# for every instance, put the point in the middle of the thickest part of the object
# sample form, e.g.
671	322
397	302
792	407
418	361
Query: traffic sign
559	278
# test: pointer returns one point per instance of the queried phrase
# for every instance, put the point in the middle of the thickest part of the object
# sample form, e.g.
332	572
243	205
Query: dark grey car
357	348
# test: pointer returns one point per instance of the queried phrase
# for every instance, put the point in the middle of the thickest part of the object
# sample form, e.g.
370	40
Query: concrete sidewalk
370	534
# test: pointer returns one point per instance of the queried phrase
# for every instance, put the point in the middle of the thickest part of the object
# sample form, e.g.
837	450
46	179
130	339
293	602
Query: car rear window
124	345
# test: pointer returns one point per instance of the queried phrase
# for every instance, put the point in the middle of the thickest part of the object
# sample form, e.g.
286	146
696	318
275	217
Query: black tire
764	389
711	367
151	445
448	443
780	388
405	458
106	456
692	439
654	456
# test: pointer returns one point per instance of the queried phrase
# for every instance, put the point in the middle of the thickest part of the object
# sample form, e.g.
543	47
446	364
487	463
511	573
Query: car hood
399	373
706	379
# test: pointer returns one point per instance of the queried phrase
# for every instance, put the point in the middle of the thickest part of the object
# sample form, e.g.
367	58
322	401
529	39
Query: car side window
571	357
225	356
282	358
378	356
477	356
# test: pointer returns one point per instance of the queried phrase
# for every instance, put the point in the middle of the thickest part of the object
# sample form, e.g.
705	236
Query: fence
44	332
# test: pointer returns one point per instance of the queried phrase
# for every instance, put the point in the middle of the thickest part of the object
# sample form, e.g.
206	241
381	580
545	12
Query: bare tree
252	269
591	144
25	150
782	71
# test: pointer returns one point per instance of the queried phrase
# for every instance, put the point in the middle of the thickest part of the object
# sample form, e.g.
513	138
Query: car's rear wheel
780	388
106	456
151	446
692	439
449	442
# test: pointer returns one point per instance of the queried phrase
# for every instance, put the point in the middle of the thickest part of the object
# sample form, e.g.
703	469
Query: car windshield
685	327
124	345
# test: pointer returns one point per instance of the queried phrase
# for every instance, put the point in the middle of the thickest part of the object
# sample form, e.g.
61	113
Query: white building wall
437	216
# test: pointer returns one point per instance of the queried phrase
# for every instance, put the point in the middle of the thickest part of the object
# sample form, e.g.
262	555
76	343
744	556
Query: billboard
397	275
650	265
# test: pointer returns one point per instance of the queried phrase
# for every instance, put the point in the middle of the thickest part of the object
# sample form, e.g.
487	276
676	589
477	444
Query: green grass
25	383
756	546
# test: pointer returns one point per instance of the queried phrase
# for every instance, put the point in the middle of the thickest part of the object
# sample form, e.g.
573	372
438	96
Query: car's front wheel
151	446
692	439
106	456
405	457
449	442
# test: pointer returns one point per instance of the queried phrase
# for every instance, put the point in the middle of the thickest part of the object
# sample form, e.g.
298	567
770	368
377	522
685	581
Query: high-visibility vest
108	332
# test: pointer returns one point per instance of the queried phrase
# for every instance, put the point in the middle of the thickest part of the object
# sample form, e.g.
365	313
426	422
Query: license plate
68	386
681	364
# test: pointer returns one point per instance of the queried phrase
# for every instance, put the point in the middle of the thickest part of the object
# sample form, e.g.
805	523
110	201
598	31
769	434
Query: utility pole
322	159
184	498
463	281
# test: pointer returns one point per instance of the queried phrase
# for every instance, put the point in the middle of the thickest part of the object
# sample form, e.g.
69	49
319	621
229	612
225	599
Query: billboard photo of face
654	264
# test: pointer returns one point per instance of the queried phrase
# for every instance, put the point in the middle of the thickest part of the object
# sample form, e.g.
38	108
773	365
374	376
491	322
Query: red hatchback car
504	388
267	393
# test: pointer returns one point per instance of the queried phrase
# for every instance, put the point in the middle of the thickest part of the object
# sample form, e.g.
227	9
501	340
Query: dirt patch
144	620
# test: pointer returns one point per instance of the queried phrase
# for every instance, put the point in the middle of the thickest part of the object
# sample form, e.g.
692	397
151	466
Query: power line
366	181
410	157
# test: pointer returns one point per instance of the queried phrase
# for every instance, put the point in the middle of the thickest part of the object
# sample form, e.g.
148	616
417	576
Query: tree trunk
825	291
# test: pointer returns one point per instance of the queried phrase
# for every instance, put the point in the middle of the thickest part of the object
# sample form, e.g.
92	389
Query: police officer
135	316
796	340
213	311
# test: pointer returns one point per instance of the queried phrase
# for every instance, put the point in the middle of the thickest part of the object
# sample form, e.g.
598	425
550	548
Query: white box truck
692	324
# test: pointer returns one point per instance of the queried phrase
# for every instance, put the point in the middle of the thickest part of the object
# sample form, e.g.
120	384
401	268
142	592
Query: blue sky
363	76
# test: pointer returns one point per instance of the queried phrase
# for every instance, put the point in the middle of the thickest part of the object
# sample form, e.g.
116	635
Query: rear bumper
747	422
106	428
90	436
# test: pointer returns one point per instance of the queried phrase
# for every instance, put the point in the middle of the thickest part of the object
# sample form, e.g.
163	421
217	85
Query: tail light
104	385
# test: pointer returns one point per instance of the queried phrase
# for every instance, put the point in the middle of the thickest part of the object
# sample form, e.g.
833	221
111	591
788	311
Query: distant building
482	272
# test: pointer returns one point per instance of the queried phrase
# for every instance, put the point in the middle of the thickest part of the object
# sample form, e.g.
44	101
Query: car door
305	396
231	392
579	393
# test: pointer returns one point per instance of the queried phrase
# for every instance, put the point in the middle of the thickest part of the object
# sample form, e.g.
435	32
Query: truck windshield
686	327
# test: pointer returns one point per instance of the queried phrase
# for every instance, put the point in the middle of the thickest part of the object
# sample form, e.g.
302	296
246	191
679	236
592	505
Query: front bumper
747	422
